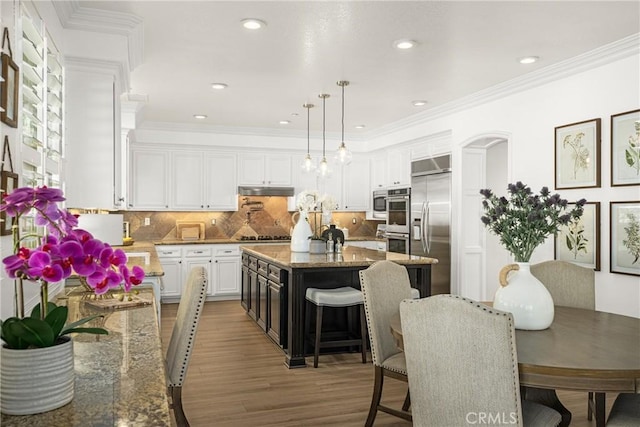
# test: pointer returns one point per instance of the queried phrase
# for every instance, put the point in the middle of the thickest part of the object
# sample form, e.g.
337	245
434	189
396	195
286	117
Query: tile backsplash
264	215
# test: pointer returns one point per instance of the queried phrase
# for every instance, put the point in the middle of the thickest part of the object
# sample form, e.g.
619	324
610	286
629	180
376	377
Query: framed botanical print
9	98
579	241
625	148
625	237
577	155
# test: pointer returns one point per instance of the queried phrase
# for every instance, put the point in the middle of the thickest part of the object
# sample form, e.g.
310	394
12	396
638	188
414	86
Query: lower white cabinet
171	261
377	245
221	262
226	271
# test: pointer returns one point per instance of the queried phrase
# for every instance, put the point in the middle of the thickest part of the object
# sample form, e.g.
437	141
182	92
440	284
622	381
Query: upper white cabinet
90	137
148	178
265	170
355	177
221	188
399	167
349	185
182	180
187	183
391	168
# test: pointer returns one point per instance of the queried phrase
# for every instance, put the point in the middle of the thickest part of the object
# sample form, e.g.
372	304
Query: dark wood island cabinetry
275	280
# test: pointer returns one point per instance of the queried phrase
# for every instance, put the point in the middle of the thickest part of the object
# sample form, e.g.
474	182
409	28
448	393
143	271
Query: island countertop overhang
350	257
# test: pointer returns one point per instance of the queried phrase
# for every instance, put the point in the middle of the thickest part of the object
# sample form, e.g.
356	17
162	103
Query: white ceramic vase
525	297
36	380
301	233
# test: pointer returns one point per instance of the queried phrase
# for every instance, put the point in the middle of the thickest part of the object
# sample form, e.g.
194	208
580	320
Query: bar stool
340	297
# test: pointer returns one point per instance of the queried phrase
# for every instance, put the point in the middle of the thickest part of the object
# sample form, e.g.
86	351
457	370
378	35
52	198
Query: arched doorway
485	163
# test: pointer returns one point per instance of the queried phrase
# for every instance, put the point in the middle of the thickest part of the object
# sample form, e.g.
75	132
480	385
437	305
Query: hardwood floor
236	377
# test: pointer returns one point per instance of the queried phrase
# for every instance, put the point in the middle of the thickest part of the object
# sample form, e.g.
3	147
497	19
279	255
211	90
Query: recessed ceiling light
253	24
284	122
219	86
199	116
419	103
359	126
529	59
404	44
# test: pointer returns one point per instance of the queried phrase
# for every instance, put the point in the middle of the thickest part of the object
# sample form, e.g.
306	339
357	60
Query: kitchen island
275	280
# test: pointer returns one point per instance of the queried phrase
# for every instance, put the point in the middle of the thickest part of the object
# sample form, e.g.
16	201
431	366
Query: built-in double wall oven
380	204
398	220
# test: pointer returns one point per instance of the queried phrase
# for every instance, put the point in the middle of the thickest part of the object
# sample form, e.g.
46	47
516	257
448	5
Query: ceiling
307	46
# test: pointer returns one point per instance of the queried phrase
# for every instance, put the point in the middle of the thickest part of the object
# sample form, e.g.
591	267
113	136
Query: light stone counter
351	257
120	377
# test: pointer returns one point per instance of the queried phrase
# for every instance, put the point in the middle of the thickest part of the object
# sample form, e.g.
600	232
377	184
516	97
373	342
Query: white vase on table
523	295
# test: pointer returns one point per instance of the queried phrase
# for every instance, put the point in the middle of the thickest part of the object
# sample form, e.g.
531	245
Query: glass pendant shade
323	166
343	154
307	163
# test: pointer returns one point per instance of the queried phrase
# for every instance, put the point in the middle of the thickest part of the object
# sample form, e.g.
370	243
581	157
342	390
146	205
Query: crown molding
75	17
595	58
100	66
247	131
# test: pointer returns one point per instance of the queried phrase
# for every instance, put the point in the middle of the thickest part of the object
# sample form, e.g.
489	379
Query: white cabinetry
399	167
182	180
226	271
171	261
149	172
379	171
221	187
355	178
221	262
349	185
368	244
265	170
187	183
198	256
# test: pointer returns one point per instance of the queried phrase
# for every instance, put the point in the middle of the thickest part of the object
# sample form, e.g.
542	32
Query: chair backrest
384	284
570	285
183	335
461	362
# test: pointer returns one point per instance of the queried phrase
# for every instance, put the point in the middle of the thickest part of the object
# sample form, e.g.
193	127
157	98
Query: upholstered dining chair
625	411
463	366
571	285
384	284
183	337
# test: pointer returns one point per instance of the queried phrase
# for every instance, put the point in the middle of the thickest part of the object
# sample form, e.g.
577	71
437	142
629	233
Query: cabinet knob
166	206
202	206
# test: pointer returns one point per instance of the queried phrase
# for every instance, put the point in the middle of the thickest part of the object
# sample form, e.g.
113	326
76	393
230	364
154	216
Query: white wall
530	117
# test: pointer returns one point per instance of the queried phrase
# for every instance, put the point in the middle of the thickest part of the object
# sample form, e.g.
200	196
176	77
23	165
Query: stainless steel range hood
266	191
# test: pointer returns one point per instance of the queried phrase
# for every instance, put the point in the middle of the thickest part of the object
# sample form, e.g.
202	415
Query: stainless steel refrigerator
431	217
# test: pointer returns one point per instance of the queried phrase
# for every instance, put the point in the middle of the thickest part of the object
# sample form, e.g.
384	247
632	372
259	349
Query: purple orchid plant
62	251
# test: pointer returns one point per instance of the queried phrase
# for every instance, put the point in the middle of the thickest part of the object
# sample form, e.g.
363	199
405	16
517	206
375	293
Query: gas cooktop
283	237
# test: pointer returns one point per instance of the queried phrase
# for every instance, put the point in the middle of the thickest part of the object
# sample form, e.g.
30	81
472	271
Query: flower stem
44	298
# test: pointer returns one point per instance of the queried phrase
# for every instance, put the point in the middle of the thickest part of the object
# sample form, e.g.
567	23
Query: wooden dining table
582	350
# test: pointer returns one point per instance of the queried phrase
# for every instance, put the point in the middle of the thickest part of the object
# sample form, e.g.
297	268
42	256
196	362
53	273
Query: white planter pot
36	380
526	298
317	246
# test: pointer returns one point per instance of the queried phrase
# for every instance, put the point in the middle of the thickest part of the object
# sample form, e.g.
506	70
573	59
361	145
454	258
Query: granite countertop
154	268
120	377
350	257
245	242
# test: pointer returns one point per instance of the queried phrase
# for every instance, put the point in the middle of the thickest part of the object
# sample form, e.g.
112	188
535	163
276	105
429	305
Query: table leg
548	398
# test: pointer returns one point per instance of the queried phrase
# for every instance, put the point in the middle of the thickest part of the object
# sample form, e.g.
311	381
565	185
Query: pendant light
343	154
307	163
323	167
